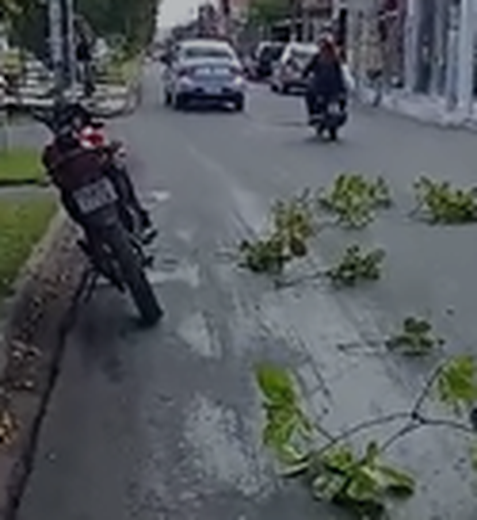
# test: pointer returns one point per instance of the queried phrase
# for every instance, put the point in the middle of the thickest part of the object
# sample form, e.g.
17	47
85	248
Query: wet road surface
165	424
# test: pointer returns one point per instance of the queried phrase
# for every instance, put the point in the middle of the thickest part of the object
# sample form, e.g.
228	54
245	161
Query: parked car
204	70
288	71
265	56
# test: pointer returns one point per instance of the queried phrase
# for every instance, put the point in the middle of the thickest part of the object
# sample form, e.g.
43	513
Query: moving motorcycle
329	117
92	200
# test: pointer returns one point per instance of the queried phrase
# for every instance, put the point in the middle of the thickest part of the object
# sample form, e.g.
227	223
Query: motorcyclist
327	82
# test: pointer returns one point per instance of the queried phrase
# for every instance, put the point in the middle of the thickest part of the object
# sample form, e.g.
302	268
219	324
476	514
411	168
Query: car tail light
236	71
185	72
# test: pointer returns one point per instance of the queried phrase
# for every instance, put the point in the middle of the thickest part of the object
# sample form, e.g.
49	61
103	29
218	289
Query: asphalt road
164	424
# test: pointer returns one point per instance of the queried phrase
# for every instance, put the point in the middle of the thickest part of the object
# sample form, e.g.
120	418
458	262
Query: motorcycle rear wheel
333	133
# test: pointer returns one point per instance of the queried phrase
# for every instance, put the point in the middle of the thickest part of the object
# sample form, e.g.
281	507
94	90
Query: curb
48	291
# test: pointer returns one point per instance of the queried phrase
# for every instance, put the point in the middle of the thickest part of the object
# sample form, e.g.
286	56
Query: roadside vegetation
20	166
120	70
22	223
363	480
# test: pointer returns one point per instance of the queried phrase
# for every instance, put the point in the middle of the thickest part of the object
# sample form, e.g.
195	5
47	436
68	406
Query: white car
288	71
204	70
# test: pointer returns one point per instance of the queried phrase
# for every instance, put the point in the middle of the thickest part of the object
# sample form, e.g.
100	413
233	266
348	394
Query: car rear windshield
270	53
301	55
207	52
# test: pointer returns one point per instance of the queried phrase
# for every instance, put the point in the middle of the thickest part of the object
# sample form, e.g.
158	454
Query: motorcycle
114	251
330	119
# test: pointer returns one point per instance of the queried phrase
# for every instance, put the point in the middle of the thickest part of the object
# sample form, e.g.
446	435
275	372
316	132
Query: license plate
214	90
221	71
204	71
334	109
95	196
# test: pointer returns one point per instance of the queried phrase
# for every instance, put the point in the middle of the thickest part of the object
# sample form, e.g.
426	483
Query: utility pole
465	57
70	45
55	21
295	12
452	69
62	45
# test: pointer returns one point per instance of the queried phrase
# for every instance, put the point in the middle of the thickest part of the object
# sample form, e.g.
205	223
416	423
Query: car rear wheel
333	133
180	102
240	105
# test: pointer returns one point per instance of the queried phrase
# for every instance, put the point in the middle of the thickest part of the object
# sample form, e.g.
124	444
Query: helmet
326	39
327	45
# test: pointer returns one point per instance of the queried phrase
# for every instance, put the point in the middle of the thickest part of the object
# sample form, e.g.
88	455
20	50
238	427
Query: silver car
204	71
288	71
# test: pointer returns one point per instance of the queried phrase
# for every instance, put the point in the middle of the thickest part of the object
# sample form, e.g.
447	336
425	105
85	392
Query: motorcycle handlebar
50	117
45	117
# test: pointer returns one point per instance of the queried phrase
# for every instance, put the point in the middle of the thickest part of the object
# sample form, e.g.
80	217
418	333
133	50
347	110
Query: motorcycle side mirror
97	124
165	58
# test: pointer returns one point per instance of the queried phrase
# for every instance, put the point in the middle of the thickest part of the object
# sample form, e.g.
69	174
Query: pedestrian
374	63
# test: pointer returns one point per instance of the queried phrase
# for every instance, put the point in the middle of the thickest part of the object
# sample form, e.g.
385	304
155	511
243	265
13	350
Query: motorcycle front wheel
132	270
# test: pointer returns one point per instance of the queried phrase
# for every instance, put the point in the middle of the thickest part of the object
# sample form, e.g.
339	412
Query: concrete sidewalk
424	108
108	99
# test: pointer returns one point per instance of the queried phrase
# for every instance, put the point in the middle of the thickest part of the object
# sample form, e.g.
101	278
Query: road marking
247	206
161	196
188	274
195	332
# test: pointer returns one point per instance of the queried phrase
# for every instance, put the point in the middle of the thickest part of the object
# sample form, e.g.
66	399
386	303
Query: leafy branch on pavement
445	204
337	472
8	427
357	265
354	199
292	228
416	338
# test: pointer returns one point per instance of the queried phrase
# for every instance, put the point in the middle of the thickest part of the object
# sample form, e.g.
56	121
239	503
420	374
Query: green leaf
328	486
290	455
393	480
279	429
300	467
372	452
339	459
363	486
276	384
457	383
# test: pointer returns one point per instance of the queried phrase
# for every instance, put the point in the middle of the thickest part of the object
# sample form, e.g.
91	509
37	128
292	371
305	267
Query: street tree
264	13
134	20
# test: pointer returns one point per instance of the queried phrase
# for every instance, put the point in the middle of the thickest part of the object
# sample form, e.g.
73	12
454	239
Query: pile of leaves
354	199
445	204
292	228
356	266
416	338
361	482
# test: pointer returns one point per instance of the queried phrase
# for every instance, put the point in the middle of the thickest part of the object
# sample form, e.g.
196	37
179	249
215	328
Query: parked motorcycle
329	119
115	251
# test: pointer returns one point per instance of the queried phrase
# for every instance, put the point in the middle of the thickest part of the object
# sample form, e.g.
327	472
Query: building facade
424	46
316	16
